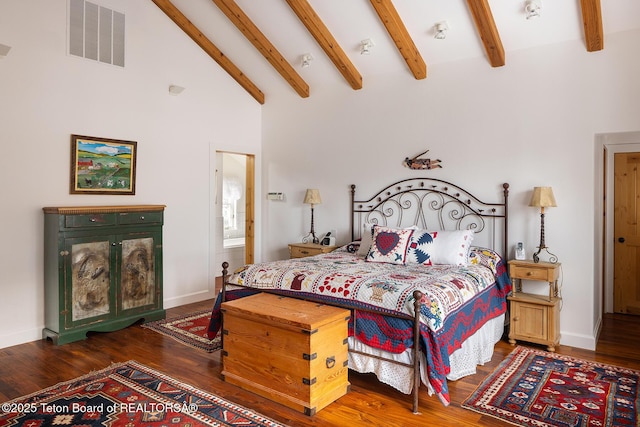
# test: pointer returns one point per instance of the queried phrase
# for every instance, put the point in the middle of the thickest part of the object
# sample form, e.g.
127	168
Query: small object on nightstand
301	250
535	318
520	254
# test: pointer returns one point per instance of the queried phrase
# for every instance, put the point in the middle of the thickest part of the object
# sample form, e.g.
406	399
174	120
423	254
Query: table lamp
542	197
312	197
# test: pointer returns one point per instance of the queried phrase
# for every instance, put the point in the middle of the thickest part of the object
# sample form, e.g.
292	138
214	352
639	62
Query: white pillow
451	247
366	240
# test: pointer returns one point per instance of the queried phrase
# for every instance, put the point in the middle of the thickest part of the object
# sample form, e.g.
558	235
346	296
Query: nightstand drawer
533	271
298	252
301	250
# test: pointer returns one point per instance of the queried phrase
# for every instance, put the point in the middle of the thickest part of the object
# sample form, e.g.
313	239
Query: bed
426	259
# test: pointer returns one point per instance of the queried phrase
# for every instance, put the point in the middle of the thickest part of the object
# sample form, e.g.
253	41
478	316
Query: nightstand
535	318
301	250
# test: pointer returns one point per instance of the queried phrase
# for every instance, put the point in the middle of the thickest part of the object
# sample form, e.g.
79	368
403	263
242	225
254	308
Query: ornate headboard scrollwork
433	204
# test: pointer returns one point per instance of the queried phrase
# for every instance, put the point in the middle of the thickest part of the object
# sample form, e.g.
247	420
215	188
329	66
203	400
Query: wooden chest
290	351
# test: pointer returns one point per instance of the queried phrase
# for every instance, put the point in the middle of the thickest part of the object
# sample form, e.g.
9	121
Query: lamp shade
542	197
312	196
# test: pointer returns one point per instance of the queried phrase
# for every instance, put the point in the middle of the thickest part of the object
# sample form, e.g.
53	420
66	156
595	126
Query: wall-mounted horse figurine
416	163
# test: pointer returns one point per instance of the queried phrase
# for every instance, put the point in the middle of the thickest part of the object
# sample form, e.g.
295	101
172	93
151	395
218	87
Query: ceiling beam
399	34
327	42
196	35
488	31
264	46
592	19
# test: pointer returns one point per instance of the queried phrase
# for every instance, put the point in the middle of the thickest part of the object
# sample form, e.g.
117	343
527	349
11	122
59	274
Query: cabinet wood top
75	210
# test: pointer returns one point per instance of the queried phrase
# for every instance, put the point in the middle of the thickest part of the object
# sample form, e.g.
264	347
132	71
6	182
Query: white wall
530	123
46	95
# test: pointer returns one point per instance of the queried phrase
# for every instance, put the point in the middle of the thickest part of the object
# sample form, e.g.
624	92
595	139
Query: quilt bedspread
387	288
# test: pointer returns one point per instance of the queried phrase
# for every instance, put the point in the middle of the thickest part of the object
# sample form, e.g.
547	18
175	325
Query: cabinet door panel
89	275
138	272
531	321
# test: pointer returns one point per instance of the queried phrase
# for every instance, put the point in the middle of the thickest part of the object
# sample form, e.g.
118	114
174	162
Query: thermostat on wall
275	196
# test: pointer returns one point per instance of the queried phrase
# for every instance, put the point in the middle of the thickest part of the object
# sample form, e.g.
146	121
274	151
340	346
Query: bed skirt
476	350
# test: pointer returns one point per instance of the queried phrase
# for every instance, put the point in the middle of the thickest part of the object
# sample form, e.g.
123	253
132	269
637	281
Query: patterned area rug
536	388
127	394
190	329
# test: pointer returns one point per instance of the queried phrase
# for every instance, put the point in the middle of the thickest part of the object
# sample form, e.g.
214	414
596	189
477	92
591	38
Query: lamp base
310	238
551	257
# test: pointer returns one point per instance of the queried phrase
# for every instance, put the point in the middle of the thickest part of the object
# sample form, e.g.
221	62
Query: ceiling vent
96	32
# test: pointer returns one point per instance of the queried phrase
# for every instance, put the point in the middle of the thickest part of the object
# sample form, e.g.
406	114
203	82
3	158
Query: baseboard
189	298
20	337
587	342
597	328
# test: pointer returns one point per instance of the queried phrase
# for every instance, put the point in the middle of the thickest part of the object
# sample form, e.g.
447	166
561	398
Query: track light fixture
306	60
4	50
532	8
365	46
175	90
441	29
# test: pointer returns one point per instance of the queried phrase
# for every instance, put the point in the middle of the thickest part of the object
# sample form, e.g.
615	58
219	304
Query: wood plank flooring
29	367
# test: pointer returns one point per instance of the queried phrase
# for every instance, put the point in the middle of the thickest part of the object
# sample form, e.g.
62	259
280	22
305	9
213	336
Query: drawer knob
304	252
529	273
142	218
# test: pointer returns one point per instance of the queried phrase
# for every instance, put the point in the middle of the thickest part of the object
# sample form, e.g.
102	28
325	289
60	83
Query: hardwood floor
29	367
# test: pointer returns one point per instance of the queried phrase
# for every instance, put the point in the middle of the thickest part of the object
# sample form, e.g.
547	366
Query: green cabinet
102	269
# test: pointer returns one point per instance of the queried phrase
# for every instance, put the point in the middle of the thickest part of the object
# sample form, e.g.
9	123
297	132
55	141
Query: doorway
608	145
626	252
234	189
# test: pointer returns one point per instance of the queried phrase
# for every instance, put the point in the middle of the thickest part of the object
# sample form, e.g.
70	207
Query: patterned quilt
456	301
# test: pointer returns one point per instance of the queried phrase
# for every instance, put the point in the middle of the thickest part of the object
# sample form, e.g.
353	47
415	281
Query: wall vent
96	32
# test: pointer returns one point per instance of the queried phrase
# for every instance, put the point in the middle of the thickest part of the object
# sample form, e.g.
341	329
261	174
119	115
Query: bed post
505	250
417	303
225	274
353	198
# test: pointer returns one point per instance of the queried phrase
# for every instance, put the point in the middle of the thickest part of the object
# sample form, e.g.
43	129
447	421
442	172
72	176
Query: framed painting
102	166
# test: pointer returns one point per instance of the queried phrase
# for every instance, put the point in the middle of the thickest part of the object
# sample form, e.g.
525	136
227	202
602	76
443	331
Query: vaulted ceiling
257	40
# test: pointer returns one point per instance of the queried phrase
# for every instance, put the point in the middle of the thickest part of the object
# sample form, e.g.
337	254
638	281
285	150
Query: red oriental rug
190	329
127	394
537	388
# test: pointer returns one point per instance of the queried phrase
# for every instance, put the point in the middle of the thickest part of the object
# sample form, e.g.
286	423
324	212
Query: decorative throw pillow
389	245
352	247
421	247
367	239
451	247
484	256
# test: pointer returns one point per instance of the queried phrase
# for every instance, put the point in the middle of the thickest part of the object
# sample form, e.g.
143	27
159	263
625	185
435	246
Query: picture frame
103	165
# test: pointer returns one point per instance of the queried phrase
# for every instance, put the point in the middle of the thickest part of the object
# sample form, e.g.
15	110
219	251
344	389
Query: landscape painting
102	166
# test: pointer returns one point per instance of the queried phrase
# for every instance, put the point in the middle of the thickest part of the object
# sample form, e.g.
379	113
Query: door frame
215	265
607	146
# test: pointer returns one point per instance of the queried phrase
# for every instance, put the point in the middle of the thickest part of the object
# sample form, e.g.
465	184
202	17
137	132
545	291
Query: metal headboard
433	204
